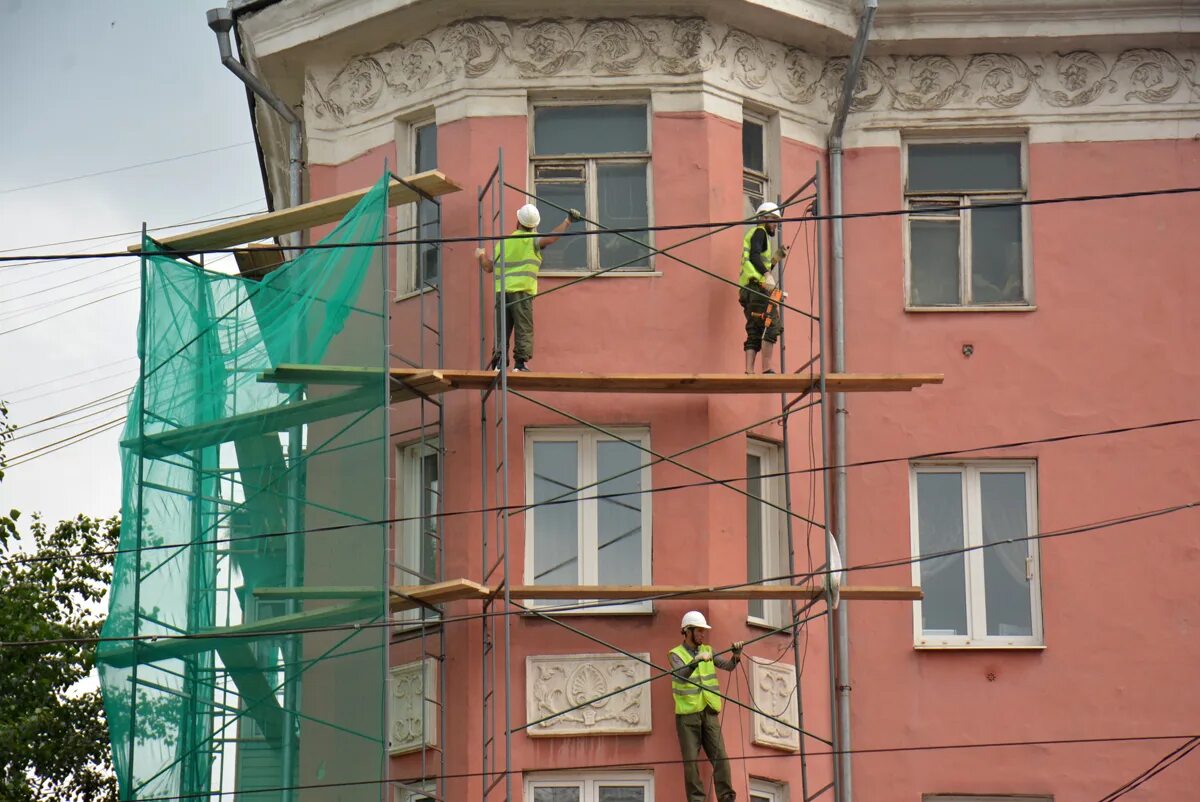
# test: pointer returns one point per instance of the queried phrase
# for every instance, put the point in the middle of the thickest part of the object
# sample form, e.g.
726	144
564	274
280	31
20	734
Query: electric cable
125	168
1074	530
521	508
878	750
1162	765
178	252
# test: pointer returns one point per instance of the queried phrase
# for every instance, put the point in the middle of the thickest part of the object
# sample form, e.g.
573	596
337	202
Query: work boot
520	367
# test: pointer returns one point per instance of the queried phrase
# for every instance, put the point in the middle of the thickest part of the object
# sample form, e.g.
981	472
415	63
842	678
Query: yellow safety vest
521	259
749	271
688	697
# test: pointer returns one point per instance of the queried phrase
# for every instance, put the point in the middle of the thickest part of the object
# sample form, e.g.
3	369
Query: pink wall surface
1112	343
679	321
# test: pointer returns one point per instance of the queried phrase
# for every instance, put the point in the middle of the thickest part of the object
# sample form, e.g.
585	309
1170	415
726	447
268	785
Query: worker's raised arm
680	669
573	216
485	261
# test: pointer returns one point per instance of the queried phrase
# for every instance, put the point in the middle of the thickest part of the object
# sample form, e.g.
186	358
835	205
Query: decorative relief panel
774	693
412	715
518	54
557	683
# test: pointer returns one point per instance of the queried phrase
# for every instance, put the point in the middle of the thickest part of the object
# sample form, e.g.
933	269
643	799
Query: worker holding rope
520	254
698	707
759	295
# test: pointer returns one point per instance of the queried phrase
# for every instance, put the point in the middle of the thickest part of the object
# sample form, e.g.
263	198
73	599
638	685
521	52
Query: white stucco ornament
581	687
412	715
773	694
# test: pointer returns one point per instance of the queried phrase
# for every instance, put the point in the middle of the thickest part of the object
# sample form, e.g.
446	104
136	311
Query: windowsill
758	623
404	296
980	308
596	274
607	609
969	647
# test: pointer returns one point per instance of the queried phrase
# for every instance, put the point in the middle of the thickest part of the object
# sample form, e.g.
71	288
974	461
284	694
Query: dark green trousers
518	320
697	730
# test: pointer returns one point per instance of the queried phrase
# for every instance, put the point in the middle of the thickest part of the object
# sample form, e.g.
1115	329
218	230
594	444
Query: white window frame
587	509
770	790
973	525
414	790
409	470
776	611
771	155
590	162
965	303
408	260
589	783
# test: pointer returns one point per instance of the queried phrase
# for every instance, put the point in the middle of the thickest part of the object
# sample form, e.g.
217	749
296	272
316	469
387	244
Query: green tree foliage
53	736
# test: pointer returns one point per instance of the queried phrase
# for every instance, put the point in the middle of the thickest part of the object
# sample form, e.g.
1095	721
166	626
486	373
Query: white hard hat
529	216
694	618
768	208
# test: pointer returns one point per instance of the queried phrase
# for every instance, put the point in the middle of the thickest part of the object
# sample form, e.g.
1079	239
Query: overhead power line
629	230
803	576
1171	758
126	167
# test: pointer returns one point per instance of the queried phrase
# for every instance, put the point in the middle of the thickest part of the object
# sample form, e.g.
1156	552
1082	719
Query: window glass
622	197
752	146
934	249
568	252
1007	598
556	526
754	529
940	528
621	793
429	508
425	158
589	129
964	167
544	793
619	526
996	274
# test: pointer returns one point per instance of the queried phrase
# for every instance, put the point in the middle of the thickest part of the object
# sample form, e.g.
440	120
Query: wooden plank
318	592
236	427
210	640
409	597
459	590
617	382
306	215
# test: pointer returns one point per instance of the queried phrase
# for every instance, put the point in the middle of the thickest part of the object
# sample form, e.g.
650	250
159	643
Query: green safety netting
226	466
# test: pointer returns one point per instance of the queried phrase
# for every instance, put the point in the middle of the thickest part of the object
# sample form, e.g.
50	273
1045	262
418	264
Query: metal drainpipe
221	22
838	301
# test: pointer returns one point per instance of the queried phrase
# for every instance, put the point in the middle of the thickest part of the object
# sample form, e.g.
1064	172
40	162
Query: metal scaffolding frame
490	202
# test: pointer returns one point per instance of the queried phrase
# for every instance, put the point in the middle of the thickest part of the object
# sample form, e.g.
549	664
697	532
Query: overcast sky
89	86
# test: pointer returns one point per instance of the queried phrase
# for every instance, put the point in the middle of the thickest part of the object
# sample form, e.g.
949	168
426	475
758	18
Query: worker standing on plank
757	282
698	707
522	256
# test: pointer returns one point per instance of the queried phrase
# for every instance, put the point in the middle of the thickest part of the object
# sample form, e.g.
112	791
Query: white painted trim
772	538
973	561
586	441
588	781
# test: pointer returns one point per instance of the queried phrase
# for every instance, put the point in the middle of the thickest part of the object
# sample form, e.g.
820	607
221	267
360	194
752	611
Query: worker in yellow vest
756	282
698	707
520	257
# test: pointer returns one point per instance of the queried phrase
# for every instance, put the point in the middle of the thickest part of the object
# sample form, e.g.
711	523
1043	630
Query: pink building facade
1079	651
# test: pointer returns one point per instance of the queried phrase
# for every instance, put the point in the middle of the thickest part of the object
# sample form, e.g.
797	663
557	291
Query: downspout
220	20
838	307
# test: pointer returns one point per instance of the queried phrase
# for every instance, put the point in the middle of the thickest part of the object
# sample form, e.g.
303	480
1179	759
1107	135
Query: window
637	787
418	494
767	791
417	791
973	256
988	597
595	159
754	163
599	535
766	546
423	262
